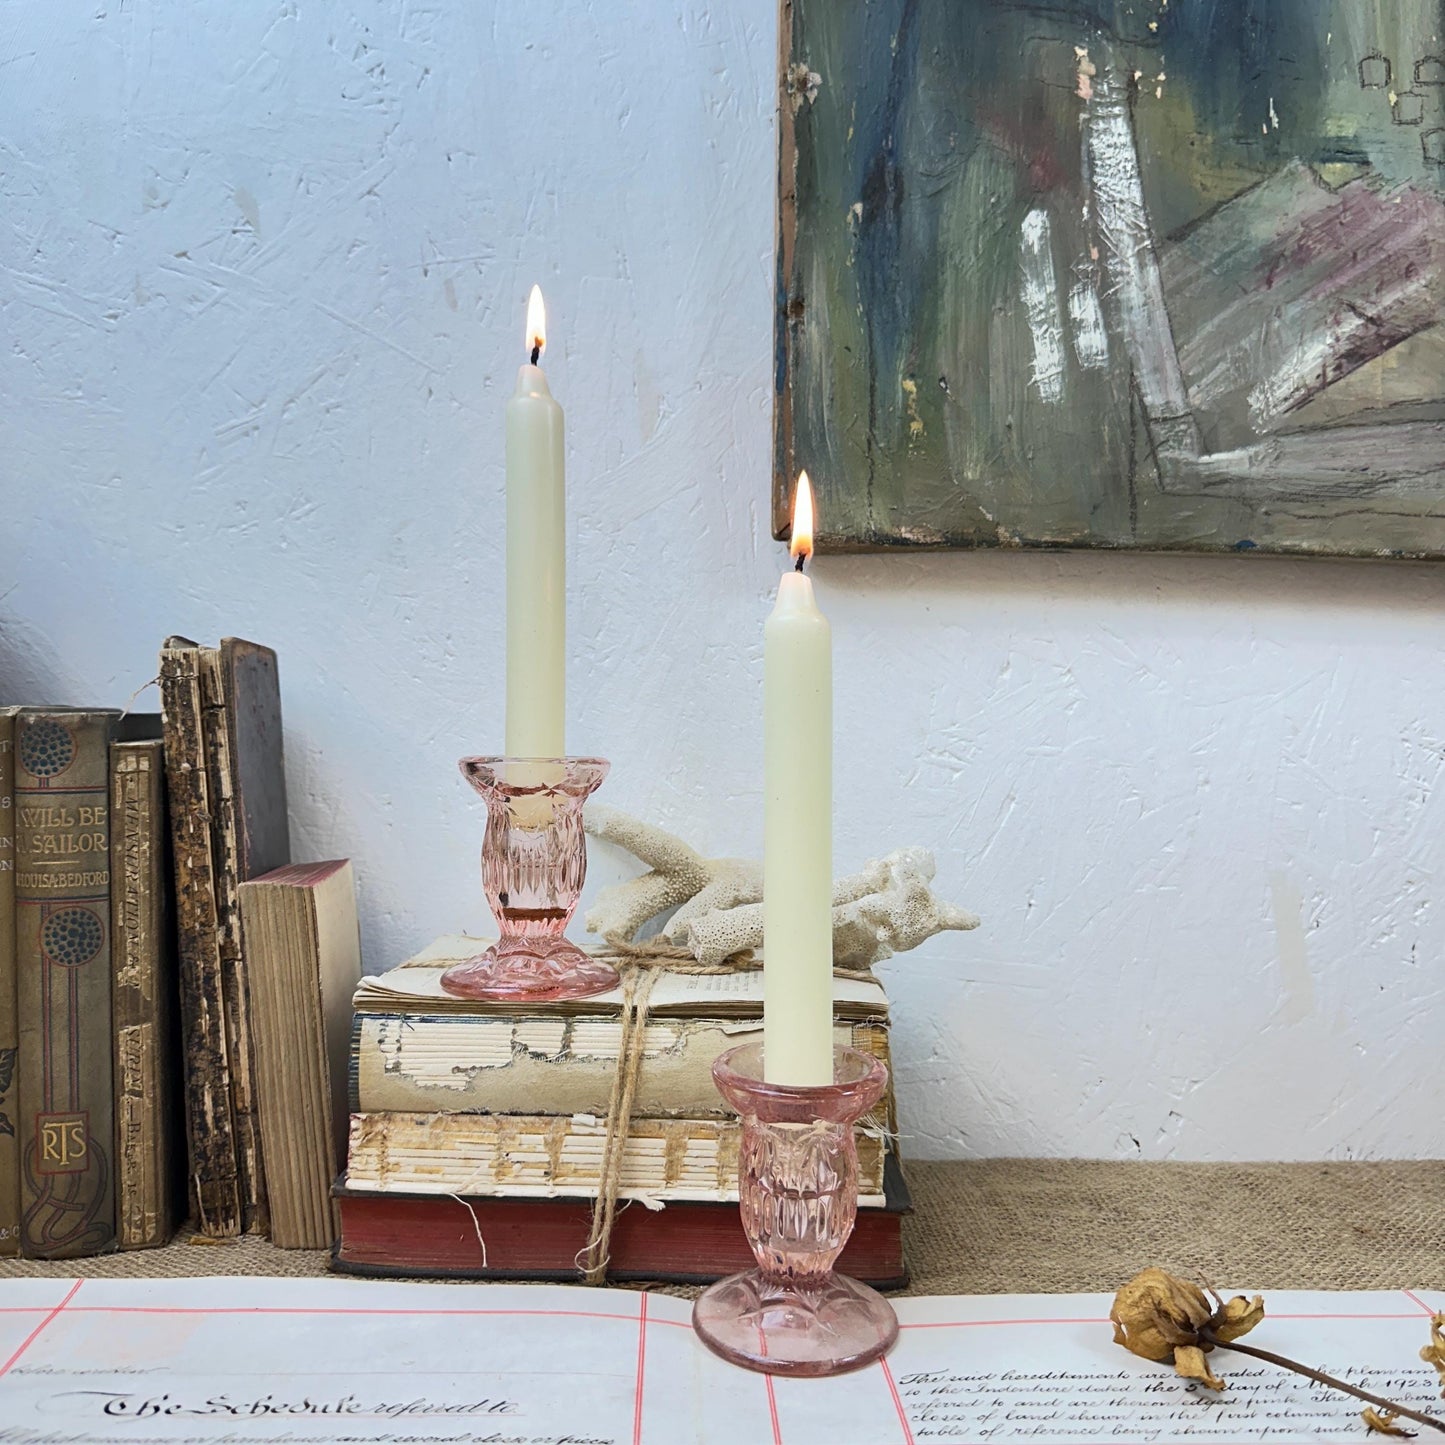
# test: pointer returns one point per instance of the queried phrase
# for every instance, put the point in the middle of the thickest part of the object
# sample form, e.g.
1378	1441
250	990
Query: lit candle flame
536	322
801	546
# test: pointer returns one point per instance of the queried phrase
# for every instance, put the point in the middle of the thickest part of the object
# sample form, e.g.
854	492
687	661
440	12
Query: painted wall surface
262	270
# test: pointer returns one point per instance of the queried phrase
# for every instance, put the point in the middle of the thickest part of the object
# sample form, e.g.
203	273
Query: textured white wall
262	269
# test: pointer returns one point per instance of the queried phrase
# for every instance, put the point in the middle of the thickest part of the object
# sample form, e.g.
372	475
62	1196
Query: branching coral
887	907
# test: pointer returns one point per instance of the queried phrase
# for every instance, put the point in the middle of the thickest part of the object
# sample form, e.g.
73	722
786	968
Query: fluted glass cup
534	861
798	1193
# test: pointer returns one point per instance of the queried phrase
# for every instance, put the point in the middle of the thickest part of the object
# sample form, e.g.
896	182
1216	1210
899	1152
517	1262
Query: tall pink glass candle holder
798	1190
534	861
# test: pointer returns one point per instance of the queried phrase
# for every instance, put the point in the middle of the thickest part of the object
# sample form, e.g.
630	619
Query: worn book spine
494	1064
235	985
143	998
304	956
62	950
9	1023
214	1182
476	1237
547	1156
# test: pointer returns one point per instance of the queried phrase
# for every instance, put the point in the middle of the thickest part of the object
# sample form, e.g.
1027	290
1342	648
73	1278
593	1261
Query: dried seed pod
1160	1317
1155	1312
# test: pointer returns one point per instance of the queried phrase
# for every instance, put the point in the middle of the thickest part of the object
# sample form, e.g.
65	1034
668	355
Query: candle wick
798	565
536	354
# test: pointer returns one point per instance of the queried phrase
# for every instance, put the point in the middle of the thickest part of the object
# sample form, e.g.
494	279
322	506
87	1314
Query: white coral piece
679	876
886	907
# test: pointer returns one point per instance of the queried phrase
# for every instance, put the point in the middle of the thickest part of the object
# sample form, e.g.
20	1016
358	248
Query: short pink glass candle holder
798	1190
534	861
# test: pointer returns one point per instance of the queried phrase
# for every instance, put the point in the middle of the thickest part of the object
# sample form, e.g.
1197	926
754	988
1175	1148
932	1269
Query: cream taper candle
798	825
536	558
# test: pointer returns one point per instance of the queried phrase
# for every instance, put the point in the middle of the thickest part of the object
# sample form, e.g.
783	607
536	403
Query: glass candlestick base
534	861
798	1192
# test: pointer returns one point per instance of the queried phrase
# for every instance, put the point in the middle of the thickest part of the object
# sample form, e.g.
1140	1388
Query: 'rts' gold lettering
63	1143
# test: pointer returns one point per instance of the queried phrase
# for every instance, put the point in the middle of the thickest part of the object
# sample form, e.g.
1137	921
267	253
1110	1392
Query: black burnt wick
536	354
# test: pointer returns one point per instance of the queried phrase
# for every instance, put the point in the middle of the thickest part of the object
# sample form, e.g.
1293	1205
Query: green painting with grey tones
1115	273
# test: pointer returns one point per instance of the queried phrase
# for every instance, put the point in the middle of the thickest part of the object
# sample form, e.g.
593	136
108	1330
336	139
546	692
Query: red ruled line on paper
641	1370
1103	1320
38	1330
1405	1315
975	1324
321	1310
773	1410
772	1394
1410	1294
897	1403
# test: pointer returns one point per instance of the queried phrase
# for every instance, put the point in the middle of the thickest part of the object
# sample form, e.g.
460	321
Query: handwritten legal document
246	1361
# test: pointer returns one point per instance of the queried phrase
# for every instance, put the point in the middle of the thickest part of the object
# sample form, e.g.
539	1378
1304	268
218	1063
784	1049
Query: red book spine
486	1238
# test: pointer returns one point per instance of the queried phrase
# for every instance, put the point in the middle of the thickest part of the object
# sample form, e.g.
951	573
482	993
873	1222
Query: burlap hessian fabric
1027	1226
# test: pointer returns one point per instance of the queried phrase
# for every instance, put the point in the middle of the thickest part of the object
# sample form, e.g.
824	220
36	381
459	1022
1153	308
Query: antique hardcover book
241	724
417	1049
150	1139
9	1024
303	956
481	1063
557	1156
228	799
63	965
481	1237
214	1168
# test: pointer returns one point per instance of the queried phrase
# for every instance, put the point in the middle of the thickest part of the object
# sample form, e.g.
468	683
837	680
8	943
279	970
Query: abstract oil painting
1114	273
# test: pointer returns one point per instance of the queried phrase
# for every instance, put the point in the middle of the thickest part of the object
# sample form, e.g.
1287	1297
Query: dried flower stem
1320	1378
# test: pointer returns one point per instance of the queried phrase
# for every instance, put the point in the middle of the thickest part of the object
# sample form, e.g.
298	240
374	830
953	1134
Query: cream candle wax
536	557
798	825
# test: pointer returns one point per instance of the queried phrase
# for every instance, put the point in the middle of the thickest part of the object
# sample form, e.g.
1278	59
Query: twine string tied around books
639	964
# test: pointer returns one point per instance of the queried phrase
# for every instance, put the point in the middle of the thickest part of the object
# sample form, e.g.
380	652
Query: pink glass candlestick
534	861
798	1190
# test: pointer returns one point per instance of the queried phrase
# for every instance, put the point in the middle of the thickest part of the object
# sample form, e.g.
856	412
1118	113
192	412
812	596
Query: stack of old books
477	1131
156	1046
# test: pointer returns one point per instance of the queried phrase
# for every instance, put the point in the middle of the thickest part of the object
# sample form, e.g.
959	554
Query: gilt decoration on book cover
1114	273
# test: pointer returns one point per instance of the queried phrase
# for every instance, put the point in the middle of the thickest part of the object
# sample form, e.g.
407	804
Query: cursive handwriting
118	1405
1120	1405
20	1435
